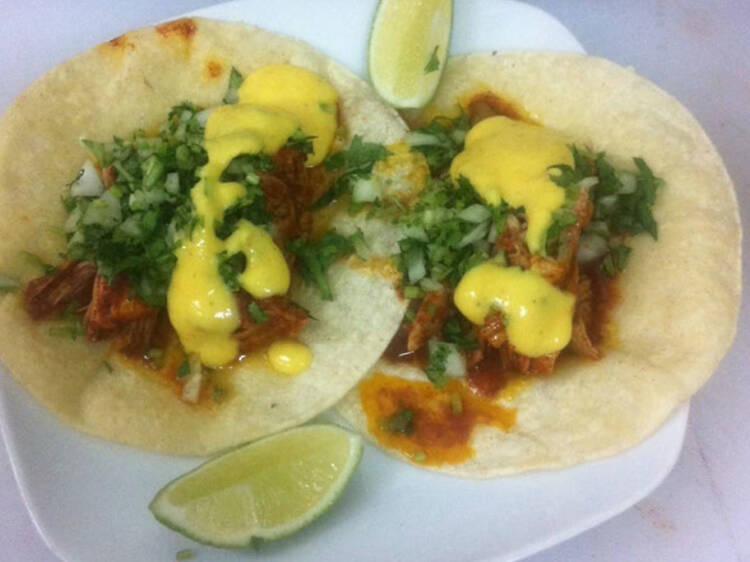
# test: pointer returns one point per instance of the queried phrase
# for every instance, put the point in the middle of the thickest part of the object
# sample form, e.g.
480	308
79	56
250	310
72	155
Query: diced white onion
458	135
366	191
71	223
202	116
629	182
455	365
417	269
88	183
477	233
598	227
475	213
191	390
104	211
591	247
421	139
608	201
416	233
131	227
172	182
142	199
588	182
512	222
435	216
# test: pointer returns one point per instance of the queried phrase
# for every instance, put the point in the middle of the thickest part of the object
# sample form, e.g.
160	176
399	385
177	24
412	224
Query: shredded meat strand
580	341
136	337
429	319
493	330
281	206
285	320
307	184
112	306
51	294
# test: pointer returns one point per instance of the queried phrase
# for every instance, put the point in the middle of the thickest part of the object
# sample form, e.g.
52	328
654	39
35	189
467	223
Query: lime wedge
409	43
266	489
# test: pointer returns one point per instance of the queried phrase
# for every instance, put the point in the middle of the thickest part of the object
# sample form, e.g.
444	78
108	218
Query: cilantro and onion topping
132	224
354	170
451	229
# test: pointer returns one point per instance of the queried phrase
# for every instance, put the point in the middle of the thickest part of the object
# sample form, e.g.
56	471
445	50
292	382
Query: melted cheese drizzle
538	315
274	101
507	160
289	357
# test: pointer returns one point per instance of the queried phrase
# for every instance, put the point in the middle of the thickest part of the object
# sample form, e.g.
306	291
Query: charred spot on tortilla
184	28
120	42
213	69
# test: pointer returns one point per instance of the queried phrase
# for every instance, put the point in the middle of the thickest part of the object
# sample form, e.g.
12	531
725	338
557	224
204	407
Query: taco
573	269
185	296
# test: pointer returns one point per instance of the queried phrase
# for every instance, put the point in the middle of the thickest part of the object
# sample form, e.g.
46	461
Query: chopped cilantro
622	201
438	357
412	292
352	164
441	243
316	257
457	332
440	141
400	422
251	206
218	394
70	326
246	168
107	366
133	228
615	261
257	313
184	369
230	268
301	142
235	81
434	63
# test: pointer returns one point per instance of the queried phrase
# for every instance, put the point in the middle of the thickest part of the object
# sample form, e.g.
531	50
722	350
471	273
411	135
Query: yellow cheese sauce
507	160
538	315
274	102
289	357
301	93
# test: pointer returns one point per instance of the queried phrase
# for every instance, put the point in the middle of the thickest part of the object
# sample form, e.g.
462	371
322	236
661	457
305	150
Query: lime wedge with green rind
266	490
409	43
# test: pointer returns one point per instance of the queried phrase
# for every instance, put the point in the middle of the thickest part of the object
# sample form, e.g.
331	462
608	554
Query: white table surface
700	52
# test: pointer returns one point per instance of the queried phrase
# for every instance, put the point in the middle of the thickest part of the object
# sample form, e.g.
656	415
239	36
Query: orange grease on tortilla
184	27
440	432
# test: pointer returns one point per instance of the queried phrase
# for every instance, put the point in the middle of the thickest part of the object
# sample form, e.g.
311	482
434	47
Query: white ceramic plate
88	497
